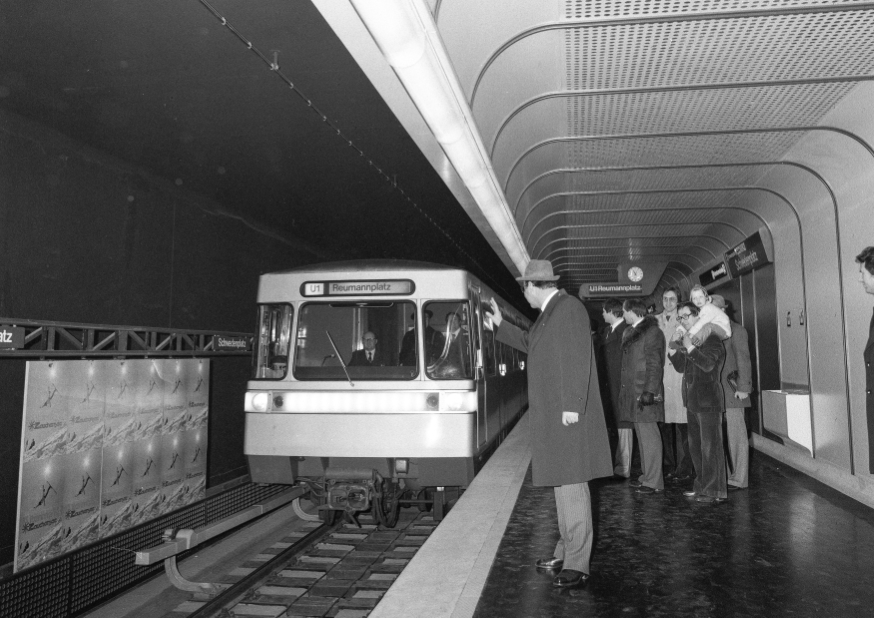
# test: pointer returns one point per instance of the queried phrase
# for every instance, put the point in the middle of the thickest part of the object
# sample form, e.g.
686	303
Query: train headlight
257	401
458	402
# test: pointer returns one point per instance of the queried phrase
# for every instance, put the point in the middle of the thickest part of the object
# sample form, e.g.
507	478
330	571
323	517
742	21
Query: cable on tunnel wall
273	65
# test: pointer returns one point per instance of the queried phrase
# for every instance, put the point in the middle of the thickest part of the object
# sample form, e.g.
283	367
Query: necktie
370	357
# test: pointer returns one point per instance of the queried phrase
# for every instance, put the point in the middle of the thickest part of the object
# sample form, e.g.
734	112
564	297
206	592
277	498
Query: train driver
370	356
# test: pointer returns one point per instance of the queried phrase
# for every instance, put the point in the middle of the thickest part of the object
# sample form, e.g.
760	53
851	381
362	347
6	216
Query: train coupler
350	489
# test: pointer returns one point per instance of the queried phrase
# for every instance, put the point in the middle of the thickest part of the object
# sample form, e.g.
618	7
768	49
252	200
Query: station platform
786	546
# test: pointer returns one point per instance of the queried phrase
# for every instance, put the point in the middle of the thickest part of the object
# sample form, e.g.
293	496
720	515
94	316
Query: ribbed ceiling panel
778	47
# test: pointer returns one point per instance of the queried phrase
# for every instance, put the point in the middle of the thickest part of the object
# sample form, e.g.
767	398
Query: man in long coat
641	394
569	445
736	392
865	260
620	433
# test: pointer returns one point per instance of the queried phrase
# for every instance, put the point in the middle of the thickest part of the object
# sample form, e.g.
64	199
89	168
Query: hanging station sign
713	274
747	256
11	337
632	279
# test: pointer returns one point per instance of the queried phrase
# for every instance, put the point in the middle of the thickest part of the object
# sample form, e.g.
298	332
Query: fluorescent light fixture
405	32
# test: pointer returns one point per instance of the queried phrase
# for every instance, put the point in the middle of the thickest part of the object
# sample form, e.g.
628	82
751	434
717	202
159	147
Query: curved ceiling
612	119
643	130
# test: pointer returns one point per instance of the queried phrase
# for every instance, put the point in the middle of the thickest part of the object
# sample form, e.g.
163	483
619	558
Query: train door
482	387
491	379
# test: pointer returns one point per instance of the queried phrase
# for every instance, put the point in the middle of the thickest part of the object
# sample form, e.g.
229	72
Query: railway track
334	571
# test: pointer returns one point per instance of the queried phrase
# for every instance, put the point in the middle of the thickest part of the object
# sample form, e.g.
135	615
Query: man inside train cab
569	445
866	278
369	356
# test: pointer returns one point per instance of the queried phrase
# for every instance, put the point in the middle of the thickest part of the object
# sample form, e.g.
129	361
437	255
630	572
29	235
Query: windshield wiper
339	357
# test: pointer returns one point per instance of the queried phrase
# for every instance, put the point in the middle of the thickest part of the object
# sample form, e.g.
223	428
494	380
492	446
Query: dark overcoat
610	372
869	392
737	358
701	368
643	367
562	377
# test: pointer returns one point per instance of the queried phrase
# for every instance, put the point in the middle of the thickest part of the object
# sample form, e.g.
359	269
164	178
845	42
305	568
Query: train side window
274	340
489	352
452	358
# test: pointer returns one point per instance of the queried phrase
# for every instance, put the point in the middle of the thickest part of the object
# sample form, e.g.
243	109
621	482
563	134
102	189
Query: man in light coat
737	398
676	462
569	445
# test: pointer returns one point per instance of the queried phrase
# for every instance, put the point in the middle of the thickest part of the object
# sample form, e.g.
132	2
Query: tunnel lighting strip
405	32
274	67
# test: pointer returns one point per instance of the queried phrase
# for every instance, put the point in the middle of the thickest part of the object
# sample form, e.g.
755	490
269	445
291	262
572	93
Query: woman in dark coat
702	394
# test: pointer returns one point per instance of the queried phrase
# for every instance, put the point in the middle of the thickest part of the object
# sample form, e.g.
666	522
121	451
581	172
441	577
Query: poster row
107	445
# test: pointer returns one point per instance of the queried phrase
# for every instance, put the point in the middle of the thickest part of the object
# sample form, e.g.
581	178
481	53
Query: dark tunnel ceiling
619	130
165	88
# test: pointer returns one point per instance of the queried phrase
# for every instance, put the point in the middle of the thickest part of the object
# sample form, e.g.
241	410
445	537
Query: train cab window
360	340
452	359
274	338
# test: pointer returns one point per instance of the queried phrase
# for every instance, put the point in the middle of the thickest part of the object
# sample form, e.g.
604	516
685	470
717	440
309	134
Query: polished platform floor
787	546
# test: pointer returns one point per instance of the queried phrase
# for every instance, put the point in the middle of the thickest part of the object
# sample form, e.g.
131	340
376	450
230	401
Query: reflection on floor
787	546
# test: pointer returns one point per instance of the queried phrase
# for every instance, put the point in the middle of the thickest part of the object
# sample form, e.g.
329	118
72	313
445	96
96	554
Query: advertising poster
107	445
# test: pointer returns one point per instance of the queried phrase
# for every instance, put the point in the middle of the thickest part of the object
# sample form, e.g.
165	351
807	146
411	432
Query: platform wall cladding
85	238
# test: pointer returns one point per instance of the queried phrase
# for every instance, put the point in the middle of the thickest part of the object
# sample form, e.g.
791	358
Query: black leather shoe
643	489
635	483
690	493
705	499
569	578
549	564
734	488
682	479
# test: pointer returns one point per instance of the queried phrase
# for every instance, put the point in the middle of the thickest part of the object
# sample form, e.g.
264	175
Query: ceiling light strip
407	36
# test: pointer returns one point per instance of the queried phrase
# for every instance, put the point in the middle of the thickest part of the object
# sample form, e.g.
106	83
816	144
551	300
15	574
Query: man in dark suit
702	394
866	278
433	342
569	445
736	391
610	370
369	356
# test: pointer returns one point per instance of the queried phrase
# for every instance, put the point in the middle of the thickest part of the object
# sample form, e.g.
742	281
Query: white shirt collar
638	321
615	325
548	298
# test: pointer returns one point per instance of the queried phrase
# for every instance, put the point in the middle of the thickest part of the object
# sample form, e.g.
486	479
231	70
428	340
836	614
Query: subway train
377	383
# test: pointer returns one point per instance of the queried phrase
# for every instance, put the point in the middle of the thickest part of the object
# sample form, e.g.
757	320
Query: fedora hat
538	270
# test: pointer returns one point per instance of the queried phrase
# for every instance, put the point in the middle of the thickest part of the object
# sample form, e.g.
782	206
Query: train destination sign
11	337
748	255
385	287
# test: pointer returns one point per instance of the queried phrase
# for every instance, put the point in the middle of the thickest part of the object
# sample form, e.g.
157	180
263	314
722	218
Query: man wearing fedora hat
569	445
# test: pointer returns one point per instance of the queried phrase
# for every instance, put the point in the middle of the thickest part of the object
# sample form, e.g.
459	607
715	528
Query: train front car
377	382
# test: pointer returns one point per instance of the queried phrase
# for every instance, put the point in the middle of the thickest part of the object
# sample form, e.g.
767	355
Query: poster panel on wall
107	445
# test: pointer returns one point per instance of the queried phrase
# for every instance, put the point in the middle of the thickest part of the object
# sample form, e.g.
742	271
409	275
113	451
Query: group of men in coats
569	437
675	391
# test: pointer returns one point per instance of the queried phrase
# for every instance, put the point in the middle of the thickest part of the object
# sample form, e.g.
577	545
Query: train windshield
369	337
274	337
447	340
